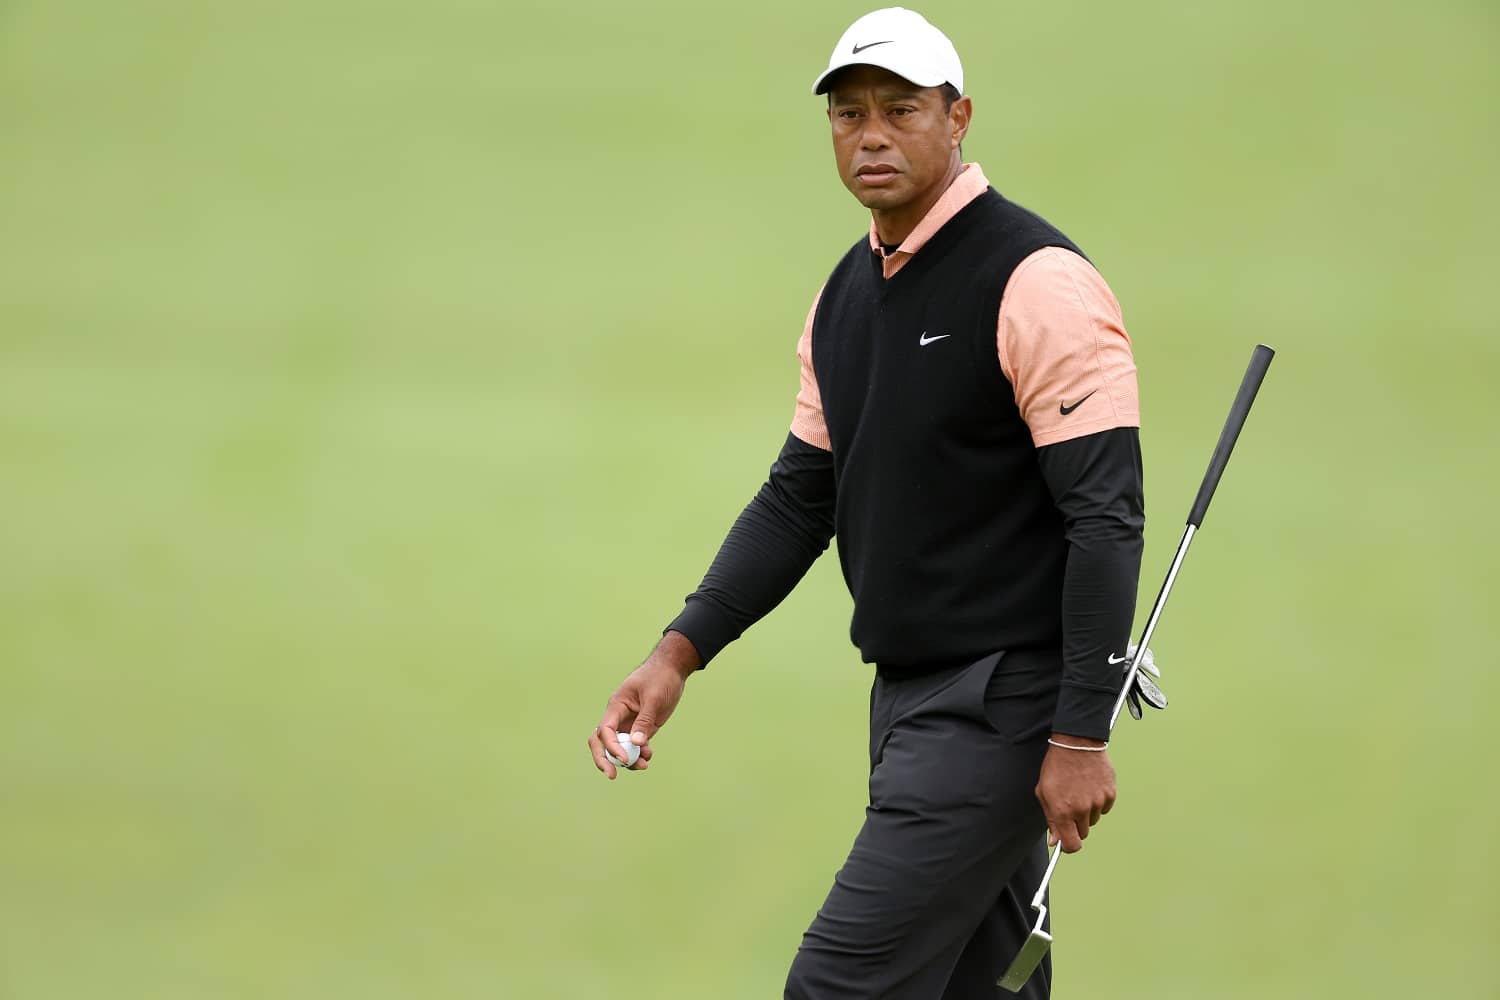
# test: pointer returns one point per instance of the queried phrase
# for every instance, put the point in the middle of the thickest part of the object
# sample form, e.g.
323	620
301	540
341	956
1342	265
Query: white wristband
1069	746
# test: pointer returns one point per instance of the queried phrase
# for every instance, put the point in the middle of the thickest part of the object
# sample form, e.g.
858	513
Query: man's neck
895	225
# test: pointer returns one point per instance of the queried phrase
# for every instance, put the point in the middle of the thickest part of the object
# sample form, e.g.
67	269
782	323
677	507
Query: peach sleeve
807	422
1064	348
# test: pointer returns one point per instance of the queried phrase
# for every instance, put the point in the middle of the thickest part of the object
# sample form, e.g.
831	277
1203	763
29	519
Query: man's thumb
644	727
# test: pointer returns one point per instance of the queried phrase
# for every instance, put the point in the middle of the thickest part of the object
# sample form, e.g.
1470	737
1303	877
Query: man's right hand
644	701
1076	789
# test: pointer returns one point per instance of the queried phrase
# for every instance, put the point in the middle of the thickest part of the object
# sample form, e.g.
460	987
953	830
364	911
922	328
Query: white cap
901	41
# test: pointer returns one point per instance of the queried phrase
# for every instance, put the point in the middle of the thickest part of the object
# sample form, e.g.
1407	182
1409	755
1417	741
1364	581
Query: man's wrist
677	652
710	628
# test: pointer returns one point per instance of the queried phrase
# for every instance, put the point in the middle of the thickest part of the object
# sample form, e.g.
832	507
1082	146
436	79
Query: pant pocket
1020	693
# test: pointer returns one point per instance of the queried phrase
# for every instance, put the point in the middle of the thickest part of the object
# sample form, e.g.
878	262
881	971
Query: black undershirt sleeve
1096	482
767	551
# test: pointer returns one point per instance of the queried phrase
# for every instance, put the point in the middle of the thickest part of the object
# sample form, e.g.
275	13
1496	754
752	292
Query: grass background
376	378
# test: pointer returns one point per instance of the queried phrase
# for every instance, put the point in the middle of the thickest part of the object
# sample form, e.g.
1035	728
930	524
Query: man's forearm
1096	482
767	551
1104	561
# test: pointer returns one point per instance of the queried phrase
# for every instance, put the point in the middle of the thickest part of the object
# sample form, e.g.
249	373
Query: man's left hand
1077	787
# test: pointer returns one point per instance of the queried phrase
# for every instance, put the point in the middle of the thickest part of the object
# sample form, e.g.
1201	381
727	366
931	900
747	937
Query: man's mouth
876	174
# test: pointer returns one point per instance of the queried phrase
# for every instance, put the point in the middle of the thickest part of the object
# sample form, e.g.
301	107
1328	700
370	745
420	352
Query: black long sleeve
1096	482
767	551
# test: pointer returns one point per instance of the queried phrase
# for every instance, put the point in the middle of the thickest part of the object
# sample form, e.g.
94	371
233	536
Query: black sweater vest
949	540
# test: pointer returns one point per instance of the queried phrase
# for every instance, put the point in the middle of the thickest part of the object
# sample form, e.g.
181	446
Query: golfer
967	428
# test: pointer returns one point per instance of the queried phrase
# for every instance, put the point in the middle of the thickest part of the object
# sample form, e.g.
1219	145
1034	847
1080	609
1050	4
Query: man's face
894	142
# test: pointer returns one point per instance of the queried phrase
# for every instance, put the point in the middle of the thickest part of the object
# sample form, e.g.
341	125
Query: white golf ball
629	753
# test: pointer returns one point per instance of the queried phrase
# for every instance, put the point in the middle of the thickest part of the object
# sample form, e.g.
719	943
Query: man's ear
958	118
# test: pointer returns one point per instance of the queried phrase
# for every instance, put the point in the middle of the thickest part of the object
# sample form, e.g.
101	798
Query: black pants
934	899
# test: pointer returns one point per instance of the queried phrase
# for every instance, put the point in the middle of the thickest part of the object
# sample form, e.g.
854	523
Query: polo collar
968	185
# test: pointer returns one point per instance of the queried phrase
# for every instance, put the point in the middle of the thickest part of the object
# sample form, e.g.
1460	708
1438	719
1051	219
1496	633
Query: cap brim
931	79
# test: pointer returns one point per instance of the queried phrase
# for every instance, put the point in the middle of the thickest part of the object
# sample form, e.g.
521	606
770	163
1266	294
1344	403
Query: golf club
1040	939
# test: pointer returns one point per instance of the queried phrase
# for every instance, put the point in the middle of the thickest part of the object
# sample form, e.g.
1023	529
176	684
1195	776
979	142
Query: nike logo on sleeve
1065	409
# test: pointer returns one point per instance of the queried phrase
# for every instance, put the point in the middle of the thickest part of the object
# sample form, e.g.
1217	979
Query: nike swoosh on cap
860	48
1065	409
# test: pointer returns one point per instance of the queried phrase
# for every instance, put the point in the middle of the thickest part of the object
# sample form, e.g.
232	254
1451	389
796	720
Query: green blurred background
376	378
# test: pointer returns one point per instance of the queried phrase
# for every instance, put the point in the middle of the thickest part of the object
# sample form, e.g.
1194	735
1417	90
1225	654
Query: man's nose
873	137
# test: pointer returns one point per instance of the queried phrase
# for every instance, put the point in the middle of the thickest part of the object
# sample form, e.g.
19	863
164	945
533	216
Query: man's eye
900	112
848	113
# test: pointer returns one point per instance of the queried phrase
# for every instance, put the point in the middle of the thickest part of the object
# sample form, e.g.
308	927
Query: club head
1027	959
1152	694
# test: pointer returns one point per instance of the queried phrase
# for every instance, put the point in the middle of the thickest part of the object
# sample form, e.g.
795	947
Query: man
967	427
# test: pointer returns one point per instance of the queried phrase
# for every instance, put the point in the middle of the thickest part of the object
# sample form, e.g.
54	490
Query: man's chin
878	197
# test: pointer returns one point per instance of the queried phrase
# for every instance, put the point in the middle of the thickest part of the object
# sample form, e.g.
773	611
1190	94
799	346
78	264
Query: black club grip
1260	360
